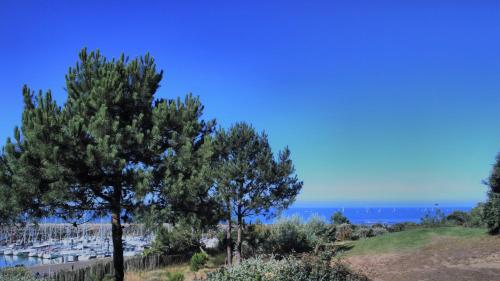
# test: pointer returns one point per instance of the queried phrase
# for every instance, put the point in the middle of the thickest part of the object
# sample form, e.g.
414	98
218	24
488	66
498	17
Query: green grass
410	239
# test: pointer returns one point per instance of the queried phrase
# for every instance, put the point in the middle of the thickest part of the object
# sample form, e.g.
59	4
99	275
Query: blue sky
378	100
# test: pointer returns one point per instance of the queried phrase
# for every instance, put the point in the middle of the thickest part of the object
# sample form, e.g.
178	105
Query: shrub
435	218
177	276
459	218
344	232
377	231
339	218
255	237
288	236
316	231
362	232
288	269
402	226
197	261
181	239
491	215
18	274
477	216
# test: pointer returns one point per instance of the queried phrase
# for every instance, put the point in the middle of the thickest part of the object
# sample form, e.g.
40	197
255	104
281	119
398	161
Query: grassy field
409	239
441	253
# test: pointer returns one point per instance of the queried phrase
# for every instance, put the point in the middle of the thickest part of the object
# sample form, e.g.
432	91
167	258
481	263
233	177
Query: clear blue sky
378	100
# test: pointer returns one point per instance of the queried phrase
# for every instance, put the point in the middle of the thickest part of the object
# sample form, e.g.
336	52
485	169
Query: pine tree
250	180
491	210
111	149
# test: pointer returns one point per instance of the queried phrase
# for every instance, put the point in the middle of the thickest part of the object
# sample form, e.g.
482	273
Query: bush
255	238
288	236
435	218
316	231
197	261
491	215
181	239
288	269
344	232
178	276
339	218
459	218
362	232
402	226
477	216
18	274
377	231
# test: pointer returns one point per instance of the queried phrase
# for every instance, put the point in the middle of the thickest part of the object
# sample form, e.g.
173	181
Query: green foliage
111	148
494	179
249	176
402	226
181	239
491	212
250	179
459	218
344	232
287	269
377	231
289	236
177	276
433	218
477	216
255	239
18	274
317	231
339	218
362	232
197	261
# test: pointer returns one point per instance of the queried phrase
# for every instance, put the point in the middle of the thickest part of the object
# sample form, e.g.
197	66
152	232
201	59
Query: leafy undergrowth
18	274
168	273
409	239
306	268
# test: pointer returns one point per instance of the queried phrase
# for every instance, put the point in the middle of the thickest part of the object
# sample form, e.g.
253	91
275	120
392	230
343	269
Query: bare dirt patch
445	258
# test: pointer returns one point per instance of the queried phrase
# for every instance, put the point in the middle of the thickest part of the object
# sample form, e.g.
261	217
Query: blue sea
367	215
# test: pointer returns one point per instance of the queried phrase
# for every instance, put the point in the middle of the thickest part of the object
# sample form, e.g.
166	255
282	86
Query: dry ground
441	258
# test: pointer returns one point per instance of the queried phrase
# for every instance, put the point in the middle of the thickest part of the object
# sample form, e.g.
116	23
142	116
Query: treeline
115	149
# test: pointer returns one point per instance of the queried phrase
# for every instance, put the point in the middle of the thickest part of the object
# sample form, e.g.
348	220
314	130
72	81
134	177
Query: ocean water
368	215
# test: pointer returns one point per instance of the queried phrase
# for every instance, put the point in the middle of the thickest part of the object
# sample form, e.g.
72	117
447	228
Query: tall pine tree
111	149
250	180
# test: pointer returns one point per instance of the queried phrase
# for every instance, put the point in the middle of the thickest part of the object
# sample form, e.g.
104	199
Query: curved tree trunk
116	231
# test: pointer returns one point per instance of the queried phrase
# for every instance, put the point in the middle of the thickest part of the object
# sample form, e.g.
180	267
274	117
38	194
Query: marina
57	243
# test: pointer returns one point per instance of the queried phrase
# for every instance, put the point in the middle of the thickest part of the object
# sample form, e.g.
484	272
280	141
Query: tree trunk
238	239
116	230
229	245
